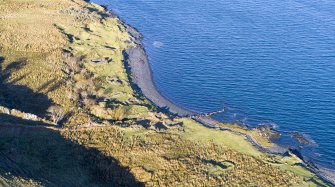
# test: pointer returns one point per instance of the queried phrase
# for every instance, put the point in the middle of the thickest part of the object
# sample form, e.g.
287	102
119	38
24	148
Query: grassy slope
35	33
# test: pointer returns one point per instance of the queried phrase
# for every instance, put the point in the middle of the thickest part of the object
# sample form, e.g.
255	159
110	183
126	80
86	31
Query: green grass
196	132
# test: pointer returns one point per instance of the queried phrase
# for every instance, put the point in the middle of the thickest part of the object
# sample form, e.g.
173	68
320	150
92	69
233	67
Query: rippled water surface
265	60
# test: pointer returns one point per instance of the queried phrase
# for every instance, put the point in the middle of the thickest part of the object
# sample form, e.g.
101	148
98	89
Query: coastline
138	65
141	79
137	62
141	74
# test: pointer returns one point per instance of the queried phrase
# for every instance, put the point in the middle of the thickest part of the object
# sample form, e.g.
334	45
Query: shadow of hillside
17	96
45	156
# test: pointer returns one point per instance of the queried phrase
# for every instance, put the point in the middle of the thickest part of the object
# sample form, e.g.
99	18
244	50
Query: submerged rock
300	138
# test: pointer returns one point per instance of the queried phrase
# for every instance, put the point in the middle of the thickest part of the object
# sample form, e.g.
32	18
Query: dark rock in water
300	138
160	126
145	123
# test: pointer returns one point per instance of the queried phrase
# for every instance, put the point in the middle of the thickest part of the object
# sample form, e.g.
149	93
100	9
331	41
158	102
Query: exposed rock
113	80
159	116
16	113
4	110
20	114
268	132
30	117
100	61
207	121
136	36
300	138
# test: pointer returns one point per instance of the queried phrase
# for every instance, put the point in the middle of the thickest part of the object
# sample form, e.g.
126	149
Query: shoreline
139	68
141	76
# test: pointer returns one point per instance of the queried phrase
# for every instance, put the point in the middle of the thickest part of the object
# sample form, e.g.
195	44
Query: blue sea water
266	61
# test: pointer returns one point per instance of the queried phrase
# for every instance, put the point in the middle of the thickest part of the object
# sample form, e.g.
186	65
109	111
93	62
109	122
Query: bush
56	113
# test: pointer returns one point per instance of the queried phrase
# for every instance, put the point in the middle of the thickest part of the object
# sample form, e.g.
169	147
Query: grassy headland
71	117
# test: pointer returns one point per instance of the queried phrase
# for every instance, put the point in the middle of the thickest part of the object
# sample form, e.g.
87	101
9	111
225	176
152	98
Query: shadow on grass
45	156
29	150
17	96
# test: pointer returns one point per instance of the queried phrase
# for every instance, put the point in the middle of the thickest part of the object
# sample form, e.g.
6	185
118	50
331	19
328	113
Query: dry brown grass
38	31
28	31
164	159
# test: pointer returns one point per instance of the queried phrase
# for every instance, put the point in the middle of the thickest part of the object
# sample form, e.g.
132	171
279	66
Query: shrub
56	113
